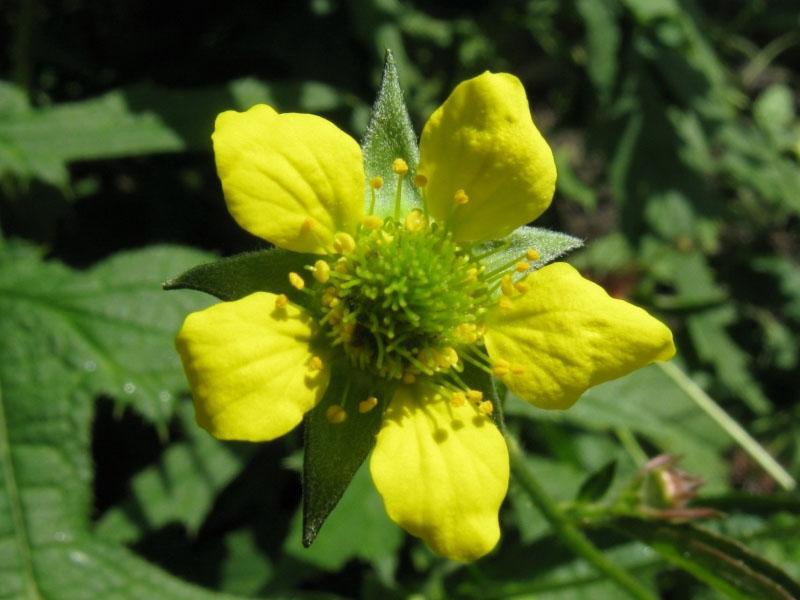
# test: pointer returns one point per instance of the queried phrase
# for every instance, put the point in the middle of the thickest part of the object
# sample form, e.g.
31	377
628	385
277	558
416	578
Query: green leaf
180	488
549	244
334	452
113	324
357	528
237	276
131	122
390	135
46	411
598	483
721	562
603	39
648	402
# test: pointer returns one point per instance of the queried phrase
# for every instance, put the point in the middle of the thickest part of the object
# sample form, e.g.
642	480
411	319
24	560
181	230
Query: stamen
475	395
522	287
472	275
415	221
367	405
486	408
522	266
399	166
420	180
296	281
533	255
322	271
376	182
315	364
458	399
517	369
460	197
373	222
281	300
409	377
336	414
343	242
500	368
507	286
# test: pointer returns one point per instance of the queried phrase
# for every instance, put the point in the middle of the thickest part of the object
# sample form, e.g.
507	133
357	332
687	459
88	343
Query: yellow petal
250	367
442	472
291	179
482	142
566	334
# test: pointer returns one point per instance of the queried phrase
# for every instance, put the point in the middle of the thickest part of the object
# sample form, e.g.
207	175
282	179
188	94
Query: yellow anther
409	377
505	303
500	368
522	287
415	220
376	182
315	364
460	197
517	369
296	281
451	355
367	405
507	286
458	399
486	408
522	266
336	414
400	166
472	275
533	255
322	271
475	395
467	333
308	225
420	180
425	356
373	222
343	242
281	301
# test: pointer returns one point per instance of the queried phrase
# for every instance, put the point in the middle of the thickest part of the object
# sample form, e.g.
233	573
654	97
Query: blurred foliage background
675	127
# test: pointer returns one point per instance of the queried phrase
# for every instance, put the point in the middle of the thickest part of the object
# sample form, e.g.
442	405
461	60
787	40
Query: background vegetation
677	139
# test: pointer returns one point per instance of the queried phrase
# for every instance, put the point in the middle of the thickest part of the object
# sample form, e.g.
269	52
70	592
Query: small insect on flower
414	295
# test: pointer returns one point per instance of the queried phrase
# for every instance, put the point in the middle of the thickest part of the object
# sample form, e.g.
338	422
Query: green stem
729	425
566	530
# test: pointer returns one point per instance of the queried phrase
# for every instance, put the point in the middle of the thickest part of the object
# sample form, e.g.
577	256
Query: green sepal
390	135
334	452
596	485
549	244
238	276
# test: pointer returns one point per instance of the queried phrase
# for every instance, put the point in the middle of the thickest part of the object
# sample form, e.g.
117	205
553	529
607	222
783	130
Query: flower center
400	297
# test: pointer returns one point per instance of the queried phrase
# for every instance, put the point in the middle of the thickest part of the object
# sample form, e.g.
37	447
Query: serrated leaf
549	244
112	324
334	452
721	562
46	398
598	483
390	135
237	276
357	528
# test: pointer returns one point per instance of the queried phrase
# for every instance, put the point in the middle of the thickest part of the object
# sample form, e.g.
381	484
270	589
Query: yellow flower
408	300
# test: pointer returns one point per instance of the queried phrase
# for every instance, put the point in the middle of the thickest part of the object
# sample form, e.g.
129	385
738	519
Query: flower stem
731	427
566	530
